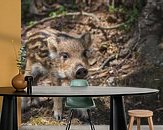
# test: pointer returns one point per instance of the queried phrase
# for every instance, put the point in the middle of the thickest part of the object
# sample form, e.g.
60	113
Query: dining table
116	93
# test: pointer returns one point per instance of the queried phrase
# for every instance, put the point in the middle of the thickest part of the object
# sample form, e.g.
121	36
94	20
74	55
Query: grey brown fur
58	56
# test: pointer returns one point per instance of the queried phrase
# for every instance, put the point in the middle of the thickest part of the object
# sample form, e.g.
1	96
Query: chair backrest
79	102
79	83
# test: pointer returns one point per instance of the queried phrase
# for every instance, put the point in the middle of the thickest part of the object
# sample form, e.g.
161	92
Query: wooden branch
94	69
74	14
58	16
110	58
111	27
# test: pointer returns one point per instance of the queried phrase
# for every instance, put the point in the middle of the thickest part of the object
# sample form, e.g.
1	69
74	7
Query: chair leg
138	123
131	123
150	122
89	119
69	121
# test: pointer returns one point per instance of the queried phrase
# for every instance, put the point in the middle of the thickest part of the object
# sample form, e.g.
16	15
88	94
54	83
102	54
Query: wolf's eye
64	55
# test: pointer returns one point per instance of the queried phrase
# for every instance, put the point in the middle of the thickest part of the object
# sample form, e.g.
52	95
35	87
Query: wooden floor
82	127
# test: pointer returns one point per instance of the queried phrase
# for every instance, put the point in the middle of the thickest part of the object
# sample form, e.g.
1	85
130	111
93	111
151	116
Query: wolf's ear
52	46
86	40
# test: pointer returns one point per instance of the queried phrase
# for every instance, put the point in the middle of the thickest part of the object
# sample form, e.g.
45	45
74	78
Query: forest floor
111	61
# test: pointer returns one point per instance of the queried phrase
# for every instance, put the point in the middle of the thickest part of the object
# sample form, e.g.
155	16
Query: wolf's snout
81	72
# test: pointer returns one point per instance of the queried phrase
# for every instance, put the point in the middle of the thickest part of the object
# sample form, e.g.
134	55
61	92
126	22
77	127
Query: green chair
79	102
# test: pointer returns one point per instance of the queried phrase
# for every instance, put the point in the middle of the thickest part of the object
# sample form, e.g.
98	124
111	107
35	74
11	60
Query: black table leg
9	113
117	114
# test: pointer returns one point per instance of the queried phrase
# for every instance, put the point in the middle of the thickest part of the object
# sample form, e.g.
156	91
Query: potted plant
21	60
18	81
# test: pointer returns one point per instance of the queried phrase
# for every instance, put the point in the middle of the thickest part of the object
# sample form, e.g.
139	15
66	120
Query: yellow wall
10	29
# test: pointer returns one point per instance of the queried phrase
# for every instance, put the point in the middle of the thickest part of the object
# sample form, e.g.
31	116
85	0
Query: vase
18	82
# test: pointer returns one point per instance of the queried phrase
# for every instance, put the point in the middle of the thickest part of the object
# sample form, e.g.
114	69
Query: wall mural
113	43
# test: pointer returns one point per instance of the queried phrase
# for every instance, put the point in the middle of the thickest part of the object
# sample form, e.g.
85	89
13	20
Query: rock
161	46
115	62
92	61
111	19
110	81
123	52
103	47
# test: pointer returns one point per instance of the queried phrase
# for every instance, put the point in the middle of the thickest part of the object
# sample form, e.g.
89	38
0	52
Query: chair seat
140	113
79	102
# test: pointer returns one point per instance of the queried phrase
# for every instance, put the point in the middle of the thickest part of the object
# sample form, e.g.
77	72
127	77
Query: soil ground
110	52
